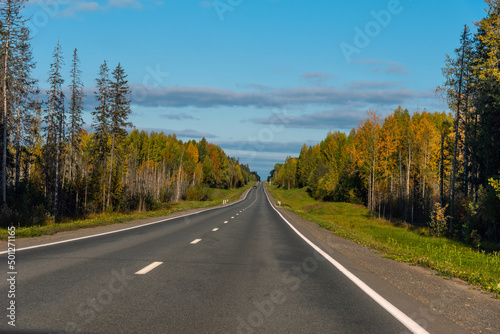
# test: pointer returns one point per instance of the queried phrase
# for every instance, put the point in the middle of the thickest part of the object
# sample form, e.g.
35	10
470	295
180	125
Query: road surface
236	269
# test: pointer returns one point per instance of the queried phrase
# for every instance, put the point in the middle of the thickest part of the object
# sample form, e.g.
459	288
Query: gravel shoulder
473	310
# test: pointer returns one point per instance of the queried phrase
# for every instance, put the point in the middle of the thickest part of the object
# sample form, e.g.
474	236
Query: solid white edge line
195	241
148	268
403	318
128	228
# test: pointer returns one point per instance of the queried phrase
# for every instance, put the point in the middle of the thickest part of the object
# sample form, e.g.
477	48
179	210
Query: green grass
397	241
216	195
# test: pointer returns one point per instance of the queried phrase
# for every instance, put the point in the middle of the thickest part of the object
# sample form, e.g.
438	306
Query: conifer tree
9	33
24	89
75	110
119	112
457	88
101	121
55	120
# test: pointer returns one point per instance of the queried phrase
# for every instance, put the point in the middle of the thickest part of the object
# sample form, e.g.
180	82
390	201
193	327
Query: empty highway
235	269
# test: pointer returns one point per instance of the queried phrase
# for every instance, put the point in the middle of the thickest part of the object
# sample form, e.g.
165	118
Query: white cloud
317	78
386	66
205	97
125	4
340	119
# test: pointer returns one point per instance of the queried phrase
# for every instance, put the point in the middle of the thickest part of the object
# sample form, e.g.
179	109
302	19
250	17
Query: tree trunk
5	108
457	120
58	154
441	171
111	169
18	146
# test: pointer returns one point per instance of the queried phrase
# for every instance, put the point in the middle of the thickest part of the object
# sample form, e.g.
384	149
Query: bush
198	193
438	224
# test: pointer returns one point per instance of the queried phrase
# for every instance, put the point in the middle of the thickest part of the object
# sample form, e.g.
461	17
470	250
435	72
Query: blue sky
261	77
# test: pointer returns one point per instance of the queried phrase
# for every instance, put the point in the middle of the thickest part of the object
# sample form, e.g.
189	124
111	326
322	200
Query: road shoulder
471	309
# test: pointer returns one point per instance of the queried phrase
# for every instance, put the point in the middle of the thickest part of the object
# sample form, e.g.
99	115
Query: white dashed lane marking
148	268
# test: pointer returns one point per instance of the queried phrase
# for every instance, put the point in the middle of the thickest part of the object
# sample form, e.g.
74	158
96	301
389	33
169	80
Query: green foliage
198	193
495	184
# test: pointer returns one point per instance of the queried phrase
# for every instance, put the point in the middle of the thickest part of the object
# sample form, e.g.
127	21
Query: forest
424	168
52	167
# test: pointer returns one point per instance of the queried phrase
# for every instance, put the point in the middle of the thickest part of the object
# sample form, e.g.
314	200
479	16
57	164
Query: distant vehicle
255	187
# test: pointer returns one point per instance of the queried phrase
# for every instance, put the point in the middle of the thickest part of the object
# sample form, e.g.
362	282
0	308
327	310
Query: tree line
51	167
413	166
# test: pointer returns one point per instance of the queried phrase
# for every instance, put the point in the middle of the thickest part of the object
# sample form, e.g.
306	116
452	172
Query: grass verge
399	242
216	195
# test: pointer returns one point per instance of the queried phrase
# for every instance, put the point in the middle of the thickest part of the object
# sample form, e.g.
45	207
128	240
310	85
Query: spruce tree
75	111
55	120
101	124
101	111
24	90
119	112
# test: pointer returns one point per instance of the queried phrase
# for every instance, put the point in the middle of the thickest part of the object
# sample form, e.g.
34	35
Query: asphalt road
235	269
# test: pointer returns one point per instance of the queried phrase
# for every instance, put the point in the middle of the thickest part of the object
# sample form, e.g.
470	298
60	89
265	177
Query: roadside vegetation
214	198
399	241
427	168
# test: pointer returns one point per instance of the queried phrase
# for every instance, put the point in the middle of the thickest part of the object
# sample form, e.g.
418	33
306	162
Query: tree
75	111
119	111
24	88
101	125
55	123
208	171
365	152
487	91
457	87
101	120
10	29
